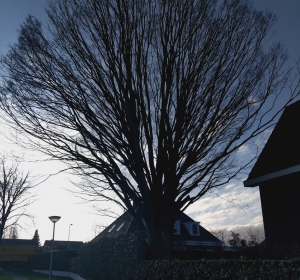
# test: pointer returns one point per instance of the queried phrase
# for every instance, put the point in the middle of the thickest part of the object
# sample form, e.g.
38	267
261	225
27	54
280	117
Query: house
62	245
188	234
16	250
277	173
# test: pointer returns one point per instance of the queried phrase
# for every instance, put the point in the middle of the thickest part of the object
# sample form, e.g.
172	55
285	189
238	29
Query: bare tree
97	228
13	232
150	100
253	236
220	233
236	242
15	196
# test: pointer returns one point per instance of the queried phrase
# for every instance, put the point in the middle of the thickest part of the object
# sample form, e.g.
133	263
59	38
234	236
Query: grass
3	277
31	275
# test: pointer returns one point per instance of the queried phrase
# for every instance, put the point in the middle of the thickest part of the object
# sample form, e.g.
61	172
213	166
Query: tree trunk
1	234
160	234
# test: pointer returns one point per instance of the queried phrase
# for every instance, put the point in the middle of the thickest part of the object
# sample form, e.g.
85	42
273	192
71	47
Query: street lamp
53	219
69	237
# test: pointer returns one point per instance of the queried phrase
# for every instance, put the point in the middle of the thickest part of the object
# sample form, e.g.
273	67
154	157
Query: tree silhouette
149	101
36	240
220	233
15	195
237	242
13	232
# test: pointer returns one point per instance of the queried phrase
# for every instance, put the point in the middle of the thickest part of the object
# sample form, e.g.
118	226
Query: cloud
263	137
258	220
243	211
244	149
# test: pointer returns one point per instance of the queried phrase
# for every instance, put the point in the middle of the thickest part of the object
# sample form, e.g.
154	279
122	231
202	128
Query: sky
56	196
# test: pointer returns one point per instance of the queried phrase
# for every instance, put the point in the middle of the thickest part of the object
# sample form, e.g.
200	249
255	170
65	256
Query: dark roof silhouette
125	224
122	225
18	242
62	244
281	154
205	235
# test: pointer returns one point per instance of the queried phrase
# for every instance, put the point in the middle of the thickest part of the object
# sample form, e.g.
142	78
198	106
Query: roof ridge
129	222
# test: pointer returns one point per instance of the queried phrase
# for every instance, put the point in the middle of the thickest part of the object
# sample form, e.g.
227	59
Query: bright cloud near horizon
56	196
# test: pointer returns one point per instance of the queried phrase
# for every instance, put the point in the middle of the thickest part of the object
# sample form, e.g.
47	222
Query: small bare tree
97	228
13	232
15	195
220	233
253	236
236	242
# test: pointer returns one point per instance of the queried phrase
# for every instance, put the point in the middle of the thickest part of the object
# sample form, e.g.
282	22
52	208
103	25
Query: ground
26	275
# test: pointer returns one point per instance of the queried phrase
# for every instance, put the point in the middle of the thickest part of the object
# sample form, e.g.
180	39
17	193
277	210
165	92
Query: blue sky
211	211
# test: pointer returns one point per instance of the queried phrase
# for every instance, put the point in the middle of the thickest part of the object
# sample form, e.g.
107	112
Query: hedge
217	269
109	257
60	261
120	258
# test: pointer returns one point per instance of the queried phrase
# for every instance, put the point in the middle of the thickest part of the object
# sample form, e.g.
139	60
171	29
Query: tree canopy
149	100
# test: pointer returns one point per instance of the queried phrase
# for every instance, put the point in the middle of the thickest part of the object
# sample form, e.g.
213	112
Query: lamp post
69	237
53	219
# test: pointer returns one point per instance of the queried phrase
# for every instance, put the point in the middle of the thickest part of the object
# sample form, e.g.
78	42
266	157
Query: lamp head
54	219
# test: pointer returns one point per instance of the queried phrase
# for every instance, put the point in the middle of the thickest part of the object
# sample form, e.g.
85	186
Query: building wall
280	201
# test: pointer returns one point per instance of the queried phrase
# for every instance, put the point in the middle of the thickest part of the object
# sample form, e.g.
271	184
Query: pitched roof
205	235
281	154
125	224
122	225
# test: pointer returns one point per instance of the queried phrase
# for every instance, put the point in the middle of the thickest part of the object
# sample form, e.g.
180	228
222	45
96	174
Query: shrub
213	269
109	257
60	261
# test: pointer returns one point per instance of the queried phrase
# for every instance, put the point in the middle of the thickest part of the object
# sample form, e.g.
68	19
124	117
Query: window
112	228
177	228
195	229
120	226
